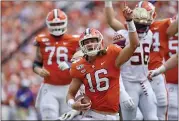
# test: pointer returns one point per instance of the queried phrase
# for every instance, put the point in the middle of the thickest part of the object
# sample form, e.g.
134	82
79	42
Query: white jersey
136	68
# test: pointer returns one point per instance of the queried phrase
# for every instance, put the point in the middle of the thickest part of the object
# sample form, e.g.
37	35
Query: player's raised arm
110	17
173	28
128	51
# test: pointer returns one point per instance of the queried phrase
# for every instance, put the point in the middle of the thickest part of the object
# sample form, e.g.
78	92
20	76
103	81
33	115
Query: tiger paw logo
79	67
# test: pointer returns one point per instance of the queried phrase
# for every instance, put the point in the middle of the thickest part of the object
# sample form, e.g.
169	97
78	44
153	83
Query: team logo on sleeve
79	67
45	39
83	71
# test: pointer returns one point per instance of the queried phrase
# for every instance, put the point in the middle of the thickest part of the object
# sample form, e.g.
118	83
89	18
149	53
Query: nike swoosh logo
102	63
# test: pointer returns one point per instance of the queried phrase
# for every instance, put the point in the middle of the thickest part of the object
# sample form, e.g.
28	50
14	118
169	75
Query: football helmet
91	49
120	37
144	13
56	21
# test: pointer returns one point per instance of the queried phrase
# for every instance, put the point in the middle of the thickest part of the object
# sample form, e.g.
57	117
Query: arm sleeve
74	73
115	49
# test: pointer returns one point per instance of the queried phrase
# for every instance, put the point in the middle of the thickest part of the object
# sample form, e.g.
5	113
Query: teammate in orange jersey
53	49
170	67
159	46
99	71
172	75
163	48
171	58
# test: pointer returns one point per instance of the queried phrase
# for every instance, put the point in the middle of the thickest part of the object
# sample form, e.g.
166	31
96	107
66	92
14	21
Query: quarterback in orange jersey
53	49
99	71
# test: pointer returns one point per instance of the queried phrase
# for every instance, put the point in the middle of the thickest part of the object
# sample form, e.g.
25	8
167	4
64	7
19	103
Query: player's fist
44	73
82	104
126	100
152	73
128	13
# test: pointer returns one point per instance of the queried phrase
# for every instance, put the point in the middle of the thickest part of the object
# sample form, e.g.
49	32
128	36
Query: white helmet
144	13
91	49
56	21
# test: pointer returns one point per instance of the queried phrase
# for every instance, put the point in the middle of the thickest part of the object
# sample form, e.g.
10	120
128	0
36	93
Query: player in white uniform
134	73
134	76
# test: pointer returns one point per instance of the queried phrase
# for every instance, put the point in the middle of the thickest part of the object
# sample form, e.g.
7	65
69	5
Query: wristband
108	3
70	102
131	26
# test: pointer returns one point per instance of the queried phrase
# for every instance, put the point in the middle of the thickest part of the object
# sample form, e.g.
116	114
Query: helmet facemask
142	29
91	42
57	25
92	48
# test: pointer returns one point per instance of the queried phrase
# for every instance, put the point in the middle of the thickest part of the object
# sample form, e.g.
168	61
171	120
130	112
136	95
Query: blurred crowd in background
20	19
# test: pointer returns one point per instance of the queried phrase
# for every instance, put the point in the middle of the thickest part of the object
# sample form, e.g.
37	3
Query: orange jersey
54	50
160	40
172	46
101	79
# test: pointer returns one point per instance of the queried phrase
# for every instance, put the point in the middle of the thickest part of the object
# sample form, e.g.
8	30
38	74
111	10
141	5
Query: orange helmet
91	49
56	21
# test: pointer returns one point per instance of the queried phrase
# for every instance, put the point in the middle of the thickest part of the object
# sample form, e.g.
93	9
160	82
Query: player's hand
152	73
44	73
128	13
69	115
126	100
63	66
81	107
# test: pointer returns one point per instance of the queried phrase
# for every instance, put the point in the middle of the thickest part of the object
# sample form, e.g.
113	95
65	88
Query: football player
98	70
171	62
53	48
144	14
172	75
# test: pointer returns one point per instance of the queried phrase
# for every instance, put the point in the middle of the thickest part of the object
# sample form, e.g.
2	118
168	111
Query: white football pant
91	115
159	87
51	101
173	101
147	104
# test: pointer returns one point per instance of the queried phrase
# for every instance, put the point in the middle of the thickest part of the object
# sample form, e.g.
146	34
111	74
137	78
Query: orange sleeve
36	41
115	50
74	73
